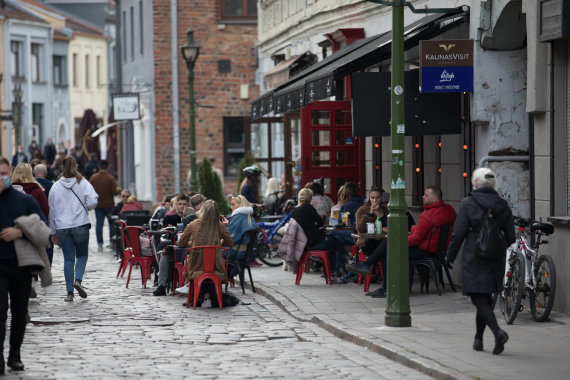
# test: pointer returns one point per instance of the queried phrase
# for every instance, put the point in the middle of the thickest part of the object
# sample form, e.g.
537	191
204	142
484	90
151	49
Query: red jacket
434	215
38	194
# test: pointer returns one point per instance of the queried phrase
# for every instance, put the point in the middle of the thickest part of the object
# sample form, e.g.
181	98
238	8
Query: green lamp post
190	51
18	93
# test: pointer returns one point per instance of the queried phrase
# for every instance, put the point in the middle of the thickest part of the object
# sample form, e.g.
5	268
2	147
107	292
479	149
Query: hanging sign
126	106
446	66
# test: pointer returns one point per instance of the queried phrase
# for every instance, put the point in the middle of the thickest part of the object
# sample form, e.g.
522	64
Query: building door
329	151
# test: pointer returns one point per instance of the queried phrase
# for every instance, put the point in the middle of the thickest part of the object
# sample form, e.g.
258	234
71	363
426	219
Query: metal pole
398	292
192	114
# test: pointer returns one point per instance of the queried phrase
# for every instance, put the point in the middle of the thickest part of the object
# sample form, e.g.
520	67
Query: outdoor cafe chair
208	262
242	265
307	258
127	249
145	262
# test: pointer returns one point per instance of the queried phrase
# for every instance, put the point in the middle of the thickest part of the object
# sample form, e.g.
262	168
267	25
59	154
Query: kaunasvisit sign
446	66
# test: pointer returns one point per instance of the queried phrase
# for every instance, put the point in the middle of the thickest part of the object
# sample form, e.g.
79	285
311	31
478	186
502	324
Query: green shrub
210	185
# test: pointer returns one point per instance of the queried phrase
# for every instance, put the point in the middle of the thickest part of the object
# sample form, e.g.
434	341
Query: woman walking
23	176
481	277
70	200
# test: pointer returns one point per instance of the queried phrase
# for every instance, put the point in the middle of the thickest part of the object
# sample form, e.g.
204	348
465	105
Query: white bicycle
528	272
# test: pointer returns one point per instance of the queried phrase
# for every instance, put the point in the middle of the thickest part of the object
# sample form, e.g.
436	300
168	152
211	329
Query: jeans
74	243
335	257
339	240
100	214
166	264
16	282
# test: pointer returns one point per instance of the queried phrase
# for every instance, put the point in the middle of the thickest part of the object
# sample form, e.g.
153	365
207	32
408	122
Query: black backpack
491	242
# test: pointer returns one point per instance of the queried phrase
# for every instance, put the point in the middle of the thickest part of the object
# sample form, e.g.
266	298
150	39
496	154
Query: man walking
15	281
106	187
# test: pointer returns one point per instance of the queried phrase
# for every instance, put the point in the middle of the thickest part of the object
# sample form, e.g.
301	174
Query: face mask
7	185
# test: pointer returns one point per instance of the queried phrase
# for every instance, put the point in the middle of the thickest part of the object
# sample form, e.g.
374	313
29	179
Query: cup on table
335	214
370	228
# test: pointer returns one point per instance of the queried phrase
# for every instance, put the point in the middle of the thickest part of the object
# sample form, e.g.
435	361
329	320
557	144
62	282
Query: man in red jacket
436	213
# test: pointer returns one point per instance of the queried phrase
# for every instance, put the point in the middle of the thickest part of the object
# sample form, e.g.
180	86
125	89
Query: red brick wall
234	42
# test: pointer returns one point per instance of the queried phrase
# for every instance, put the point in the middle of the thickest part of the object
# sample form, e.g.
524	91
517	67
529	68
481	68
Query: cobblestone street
127	333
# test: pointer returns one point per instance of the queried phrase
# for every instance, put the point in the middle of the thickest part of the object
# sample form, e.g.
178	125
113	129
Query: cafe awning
318	81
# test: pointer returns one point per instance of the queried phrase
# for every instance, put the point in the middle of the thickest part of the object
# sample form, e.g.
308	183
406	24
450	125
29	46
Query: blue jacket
14	204
240	223
351	206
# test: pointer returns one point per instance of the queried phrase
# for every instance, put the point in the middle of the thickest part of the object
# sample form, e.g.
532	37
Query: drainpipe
175	105
531	165
552	183
486	159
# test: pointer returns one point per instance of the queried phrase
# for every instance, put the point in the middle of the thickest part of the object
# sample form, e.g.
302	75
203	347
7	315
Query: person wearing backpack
482	275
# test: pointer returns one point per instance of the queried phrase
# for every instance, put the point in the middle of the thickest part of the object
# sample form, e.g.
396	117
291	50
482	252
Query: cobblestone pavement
128	333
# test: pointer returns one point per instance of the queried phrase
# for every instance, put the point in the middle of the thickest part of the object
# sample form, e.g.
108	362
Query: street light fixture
190	51
18	93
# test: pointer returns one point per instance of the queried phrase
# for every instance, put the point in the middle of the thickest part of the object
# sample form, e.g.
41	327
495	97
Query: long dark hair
70	169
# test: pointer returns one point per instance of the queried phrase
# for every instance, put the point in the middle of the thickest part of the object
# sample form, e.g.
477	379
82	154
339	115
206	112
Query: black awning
318	81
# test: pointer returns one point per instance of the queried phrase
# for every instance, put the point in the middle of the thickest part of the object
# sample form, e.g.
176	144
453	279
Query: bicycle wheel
513	292
542	298
267	253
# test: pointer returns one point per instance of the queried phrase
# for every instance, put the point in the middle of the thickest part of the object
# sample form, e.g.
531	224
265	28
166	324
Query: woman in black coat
481	277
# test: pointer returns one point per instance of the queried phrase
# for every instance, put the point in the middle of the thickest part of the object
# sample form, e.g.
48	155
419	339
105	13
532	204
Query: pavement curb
393	352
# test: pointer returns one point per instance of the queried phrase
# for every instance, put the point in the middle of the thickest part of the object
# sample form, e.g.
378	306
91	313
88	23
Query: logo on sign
447	48
446	77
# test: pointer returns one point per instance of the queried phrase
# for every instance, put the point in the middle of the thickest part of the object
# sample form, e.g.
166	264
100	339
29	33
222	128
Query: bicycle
269	238
527	272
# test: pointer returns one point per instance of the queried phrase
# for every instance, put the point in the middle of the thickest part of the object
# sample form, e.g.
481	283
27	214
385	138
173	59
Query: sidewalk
440	339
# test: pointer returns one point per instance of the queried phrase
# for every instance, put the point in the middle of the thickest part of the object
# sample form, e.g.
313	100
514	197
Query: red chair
127	250
307	258
368	277
208	262
145	262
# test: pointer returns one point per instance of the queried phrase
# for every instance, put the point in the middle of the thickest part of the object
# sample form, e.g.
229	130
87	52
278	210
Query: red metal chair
127	250
368	277
145	262
307	258
208	261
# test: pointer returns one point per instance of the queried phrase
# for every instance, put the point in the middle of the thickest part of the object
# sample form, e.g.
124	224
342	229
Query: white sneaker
182	290
207	303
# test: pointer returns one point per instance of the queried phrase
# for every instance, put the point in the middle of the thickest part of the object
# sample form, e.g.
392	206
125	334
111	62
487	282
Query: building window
235	144
238	9
124	36
224	66
132	33
75	73
268	146
98	70
87	72
141	27
59	70
36	63
17	59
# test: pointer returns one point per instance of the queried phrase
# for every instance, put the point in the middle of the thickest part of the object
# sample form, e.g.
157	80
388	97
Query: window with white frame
36	62
17	59
59	70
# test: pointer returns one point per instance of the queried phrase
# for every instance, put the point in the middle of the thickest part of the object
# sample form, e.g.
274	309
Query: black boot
2	365
15	363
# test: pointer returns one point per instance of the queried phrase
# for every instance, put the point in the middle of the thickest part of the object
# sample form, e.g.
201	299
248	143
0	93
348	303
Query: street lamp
18	93
190	51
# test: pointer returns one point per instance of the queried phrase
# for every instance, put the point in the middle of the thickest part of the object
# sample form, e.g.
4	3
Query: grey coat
479	275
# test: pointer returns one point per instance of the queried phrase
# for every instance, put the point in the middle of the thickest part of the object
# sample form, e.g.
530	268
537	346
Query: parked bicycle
269	237
527	272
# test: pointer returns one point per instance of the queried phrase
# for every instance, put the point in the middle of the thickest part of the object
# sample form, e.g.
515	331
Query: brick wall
232	42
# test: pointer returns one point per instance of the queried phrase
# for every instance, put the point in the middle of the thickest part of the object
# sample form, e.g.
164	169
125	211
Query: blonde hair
272	186
241	200
305	195
483	177
209	217
23	174
131	199
69	168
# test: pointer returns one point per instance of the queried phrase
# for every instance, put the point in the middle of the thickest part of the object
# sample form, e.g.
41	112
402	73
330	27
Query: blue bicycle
269	238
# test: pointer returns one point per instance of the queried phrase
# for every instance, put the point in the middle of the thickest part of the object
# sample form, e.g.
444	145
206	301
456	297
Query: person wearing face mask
19	157
15	281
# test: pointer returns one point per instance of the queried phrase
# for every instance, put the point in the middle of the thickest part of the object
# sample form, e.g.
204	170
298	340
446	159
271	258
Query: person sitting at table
368	213
163	208
196	203
180	203
240	223
206	230
312	224
132	205
320	202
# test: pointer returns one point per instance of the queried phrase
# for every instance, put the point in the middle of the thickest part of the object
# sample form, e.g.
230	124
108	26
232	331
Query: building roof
10	11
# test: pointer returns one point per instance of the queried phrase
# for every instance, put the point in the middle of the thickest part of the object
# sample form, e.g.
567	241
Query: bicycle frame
272	227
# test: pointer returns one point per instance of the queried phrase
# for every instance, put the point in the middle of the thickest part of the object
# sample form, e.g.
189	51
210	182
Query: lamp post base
395	319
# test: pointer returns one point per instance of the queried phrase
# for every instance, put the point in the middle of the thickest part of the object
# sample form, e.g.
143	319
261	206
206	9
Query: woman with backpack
480	277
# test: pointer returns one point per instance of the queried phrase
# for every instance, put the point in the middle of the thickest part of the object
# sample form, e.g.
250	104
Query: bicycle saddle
542	227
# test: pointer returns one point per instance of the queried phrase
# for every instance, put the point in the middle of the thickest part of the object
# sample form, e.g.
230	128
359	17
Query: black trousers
16	282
